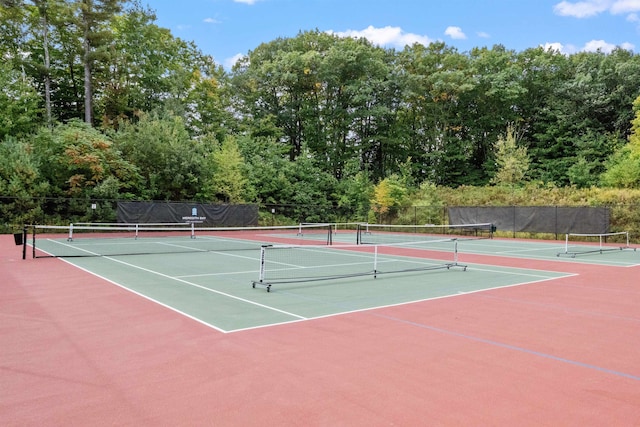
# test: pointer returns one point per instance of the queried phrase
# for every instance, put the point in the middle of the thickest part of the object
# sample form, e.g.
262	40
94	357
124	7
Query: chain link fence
17	211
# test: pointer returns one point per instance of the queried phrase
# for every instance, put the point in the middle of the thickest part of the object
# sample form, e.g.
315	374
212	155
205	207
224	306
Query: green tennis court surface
215	287
586	251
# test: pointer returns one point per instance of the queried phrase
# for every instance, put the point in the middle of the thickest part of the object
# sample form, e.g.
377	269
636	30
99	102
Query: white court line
363	310
514	253
148	298
541	278
517	273
195	285
184	282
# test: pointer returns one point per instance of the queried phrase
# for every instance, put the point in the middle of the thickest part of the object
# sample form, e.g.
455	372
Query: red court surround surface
76	350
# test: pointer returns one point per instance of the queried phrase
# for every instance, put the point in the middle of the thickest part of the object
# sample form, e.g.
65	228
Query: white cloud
595	45
560	48
588	8
633	18
455	33
249	2
592	46
212	21
230	62
625	6
582	9
386	36
598	45
483	35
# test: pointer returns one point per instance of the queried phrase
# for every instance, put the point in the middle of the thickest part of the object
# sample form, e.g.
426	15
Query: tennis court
212	278
461	330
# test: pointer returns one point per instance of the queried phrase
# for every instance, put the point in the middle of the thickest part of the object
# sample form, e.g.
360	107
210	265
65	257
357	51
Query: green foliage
354	193
19	110
331	95
268	175
169	163
77	160
427	206
156	70
301	187
382	200
512	161
389	195
312	190
581	173
623	169
20	183
228	184
324	125
624	203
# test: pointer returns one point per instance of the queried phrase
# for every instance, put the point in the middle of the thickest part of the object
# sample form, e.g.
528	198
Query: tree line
99	102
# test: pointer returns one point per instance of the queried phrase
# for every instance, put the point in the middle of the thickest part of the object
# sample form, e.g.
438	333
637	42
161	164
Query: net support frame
25	236
211	238
263	280
137	228
601	243
472	230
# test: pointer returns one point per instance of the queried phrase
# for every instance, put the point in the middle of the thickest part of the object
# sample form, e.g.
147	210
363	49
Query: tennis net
584	243
386	233
282	264
138	239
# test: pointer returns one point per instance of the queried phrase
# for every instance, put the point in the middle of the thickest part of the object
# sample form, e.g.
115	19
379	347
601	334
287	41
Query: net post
193	230
263	268
70	238
375	261
455	251
362	228
24	242
33	242
566	243
136	231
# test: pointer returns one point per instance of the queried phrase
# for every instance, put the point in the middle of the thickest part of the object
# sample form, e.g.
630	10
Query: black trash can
18	238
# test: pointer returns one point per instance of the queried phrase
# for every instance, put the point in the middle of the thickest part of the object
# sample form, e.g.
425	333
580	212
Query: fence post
555	225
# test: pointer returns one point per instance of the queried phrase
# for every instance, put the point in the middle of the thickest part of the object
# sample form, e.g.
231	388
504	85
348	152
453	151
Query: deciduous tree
512	160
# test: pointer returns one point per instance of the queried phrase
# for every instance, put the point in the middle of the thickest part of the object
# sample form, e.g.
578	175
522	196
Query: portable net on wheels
85	240
588	243
284	264
386	233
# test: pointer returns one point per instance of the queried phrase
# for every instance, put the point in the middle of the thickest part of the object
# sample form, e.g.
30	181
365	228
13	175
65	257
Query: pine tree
96	36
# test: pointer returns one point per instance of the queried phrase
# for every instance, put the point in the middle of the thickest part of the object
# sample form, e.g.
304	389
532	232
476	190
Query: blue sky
227	29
